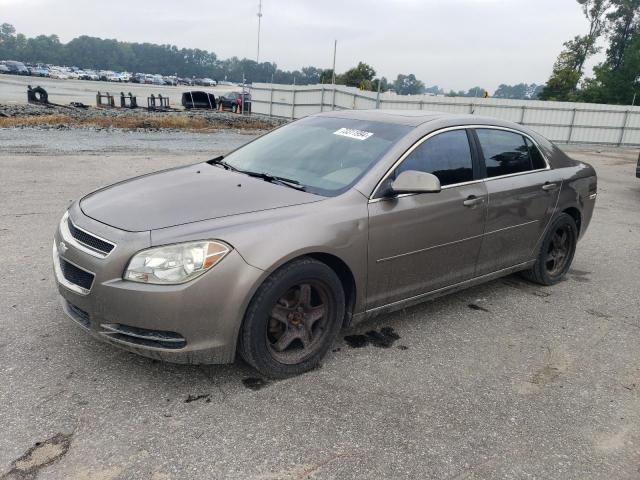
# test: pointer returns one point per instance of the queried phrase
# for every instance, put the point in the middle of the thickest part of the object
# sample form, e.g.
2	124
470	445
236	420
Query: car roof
415	118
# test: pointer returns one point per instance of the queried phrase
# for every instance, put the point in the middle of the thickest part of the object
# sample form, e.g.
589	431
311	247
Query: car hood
185	195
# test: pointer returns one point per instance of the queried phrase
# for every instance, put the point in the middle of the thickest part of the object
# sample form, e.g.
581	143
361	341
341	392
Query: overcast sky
456	44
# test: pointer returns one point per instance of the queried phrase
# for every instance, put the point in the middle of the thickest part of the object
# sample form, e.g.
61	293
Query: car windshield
326	155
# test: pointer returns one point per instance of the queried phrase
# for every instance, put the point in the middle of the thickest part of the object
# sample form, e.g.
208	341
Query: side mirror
412	181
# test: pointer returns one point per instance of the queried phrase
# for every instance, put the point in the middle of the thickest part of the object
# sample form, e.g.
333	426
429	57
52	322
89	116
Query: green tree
357	76
569	67
435	90
616	80
563	83
477	92
521	91
384	84
624	26
408	85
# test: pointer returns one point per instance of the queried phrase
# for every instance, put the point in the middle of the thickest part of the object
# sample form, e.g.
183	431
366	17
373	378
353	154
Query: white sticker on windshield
352	133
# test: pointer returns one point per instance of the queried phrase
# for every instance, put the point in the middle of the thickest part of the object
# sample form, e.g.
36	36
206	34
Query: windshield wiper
287	182
220	161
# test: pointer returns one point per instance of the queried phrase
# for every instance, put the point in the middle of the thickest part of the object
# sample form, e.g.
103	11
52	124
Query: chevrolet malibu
315	226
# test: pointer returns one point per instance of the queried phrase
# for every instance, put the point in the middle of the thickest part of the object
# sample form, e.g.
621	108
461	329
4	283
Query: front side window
505	153
446	155
325	155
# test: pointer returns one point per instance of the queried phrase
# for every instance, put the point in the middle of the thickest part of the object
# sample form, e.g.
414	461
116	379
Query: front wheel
556	252
293	319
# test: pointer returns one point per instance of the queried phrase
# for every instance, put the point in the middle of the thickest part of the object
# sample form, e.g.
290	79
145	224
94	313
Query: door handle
547	187
472	201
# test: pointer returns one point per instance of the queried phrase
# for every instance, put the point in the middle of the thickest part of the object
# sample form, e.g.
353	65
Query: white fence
559	121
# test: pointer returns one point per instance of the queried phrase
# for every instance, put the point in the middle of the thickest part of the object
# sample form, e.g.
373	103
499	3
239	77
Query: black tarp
199	99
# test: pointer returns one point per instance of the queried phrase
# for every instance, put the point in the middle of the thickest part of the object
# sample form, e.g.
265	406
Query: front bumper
196	322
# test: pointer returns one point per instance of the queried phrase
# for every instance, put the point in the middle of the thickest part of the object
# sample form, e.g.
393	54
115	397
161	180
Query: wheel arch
574	213
339	266
347	279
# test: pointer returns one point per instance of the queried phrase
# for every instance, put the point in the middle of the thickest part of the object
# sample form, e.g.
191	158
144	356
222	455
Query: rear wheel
556	252
293	319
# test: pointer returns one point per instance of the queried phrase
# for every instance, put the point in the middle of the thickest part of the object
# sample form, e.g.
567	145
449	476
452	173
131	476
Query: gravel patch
93	118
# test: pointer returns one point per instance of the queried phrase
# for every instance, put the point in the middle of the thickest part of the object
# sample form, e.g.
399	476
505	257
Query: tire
273	318
40	95
552	262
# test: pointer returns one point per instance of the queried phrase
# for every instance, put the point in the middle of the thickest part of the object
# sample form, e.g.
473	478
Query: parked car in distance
16	68
233	101
58	74
138	78
205	82
320	224
89	75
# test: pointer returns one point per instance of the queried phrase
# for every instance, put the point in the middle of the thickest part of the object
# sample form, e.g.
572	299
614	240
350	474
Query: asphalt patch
40	455
385	338
580	279
254	383
580	273
194	398
525	287
473	306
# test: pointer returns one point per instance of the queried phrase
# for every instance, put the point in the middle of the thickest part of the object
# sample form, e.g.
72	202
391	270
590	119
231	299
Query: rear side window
537	160
505	153
447	156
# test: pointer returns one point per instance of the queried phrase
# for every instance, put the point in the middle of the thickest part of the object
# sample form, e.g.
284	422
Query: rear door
522	196
419	243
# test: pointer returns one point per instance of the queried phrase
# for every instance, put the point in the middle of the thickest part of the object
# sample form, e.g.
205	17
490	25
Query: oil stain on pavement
40	455
253	383
384	338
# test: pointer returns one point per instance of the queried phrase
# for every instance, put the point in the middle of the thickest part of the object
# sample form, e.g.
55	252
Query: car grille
76	275
143	336
91	241
78	315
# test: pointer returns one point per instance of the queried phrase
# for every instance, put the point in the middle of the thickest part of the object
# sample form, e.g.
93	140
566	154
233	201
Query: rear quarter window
537	160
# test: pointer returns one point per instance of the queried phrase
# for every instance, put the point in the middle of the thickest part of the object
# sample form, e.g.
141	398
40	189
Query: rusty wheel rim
298	322
559	251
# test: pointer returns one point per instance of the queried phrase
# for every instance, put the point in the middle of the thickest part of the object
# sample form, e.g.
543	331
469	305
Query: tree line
615	80
108	54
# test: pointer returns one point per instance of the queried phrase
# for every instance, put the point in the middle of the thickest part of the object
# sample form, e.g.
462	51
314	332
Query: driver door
419	243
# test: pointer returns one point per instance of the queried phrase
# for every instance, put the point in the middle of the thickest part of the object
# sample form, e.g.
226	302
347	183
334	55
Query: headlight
174	264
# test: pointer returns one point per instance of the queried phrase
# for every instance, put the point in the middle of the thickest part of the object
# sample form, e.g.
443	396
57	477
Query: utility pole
333	76
259	21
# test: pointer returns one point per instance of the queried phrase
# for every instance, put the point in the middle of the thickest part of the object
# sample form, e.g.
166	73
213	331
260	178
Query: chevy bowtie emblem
62	247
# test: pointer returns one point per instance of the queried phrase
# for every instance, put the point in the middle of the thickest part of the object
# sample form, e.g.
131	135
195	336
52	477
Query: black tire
257	346
40	95
551	267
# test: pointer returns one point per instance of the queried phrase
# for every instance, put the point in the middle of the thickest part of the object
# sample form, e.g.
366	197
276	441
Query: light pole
259	21
333	76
